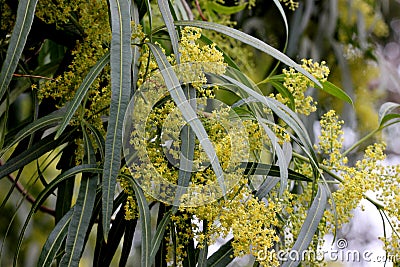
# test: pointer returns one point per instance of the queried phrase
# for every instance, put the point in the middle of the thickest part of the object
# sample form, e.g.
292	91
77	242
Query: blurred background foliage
359	40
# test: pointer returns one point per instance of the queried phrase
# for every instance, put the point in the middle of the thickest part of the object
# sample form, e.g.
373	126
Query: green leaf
23	23
255	168
385	113
173	85
144	216
55	240
114	238
202	260
310	225
47	191
282	162
332	89
34	152
40	124
81	92
187	153
227	10
128	241
120	61
169	23
286	114
159	234
222	257
250	40
227	58
284	92
82	213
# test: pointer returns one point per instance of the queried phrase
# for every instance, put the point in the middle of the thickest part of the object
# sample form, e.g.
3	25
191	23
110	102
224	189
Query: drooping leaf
144	217
19	35
86	168
128	241
222	257
202	260
310	225
121	75
385	113
282	162
286	114
227	10
169	23
332	89
55	240
250	40
39	124
82	211
159	234
255	168
187	137
34	152
173	85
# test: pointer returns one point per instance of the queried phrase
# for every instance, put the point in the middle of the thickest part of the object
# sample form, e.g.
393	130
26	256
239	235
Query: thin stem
200	12
361	141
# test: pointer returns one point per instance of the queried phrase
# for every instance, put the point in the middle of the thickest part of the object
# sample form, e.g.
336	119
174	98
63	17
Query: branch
200	12
26	194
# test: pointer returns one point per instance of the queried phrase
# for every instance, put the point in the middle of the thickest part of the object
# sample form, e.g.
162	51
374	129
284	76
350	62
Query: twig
200	12
32	76
26	194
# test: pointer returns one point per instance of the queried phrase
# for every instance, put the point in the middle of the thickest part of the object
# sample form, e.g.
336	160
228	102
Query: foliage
162	123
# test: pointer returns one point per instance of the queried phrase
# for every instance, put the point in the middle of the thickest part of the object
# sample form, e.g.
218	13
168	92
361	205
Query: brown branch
32	76
26	194
200	12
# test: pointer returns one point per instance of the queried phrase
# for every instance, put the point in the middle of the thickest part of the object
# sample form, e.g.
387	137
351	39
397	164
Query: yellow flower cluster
94	20
254	223
357	180
293	5
331	139
297	84
130	207
57	12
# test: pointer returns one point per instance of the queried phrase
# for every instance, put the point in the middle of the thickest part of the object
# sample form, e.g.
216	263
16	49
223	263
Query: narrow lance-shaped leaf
120	61
169	23
286	114
86	168
23	23
385	112
332	89
173	85
82	212
55	240
40	124
250	40
222	257
34	152
81	92
159	234
187	153
144	217
310	225
282	163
